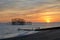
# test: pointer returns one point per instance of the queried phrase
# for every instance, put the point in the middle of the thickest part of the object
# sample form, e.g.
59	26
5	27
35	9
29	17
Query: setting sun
47	19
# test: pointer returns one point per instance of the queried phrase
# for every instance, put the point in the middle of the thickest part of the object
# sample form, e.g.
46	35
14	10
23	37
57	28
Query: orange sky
38	17
35	11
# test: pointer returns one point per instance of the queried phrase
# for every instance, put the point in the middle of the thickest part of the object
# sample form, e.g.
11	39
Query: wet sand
41	35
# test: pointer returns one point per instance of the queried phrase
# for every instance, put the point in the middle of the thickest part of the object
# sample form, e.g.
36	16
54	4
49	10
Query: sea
8	30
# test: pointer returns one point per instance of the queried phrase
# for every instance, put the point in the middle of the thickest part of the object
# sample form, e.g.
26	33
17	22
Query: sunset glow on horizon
30	10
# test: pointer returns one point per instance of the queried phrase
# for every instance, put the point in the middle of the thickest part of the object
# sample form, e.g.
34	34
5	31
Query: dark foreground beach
41	35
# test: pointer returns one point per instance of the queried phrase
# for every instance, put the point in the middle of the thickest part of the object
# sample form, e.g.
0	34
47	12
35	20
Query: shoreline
41	35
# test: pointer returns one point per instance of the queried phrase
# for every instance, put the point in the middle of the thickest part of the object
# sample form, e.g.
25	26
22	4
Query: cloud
30	8
21	4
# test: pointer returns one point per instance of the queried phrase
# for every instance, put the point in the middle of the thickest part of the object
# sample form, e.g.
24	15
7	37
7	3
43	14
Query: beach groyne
41	35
